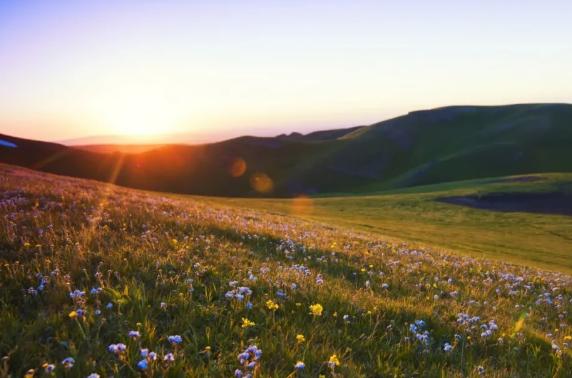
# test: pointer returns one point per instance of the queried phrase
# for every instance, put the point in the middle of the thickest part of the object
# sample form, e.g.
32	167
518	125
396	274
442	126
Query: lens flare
261	183
302	205
237	167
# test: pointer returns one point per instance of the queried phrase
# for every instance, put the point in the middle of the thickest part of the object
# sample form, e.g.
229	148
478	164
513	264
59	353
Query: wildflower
271	305
72	314
244	290
163	305
333	361
76	294
447	347
567	338
480	370
316	309
229	294
143	364
249	358
30	373
68	362
247	323
249	305
93	375
319	279
134	334
299	365
109	306
48	368
117	348
300	338
169	357
238	373
175	339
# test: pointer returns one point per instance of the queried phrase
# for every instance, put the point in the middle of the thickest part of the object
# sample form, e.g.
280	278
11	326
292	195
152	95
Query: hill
519	219
121	148
423	147
99	279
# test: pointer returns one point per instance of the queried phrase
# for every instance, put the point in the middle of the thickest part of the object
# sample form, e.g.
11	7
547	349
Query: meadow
98	281
416	215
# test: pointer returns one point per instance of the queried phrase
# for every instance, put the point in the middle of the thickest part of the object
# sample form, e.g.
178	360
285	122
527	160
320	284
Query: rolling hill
422	147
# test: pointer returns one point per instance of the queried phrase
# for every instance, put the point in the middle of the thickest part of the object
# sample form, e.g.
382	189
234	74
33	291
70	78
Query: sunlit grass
141	284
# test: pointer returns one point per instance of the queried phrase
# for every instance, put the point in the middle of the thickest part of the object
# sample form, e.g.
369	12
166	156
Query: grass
413	215
83	264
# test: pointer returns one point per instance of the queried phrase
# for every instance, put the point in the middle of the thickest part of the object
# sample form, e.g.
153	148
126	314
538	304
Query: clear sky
78	68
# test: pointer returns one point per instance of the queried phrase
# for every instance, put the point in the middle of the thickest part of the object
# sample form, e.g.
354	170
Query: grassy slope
413	215
142	250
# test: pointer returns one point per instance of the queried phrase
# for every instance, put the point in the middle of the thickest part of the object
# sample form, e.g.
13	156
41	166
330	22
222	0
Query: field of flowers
102	281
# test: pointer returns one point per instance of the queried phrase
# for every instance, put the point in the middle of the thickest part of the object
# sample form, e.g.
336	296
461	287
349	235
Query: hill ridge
449	143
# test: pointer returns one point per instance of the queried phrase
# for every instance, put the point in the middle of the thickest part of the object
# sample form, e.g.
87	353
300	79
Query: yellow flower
247	323
300	338
334	361
316	309
72	315
568	338
30	373
271	305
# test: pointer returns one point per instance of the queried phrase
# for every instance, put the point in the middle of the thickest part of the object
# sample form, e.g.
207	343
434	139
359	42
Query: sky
217	69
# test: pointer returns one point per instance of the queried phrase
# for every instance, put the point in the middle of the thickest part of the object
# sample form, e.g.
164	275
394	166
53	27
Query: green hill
528	222
423	147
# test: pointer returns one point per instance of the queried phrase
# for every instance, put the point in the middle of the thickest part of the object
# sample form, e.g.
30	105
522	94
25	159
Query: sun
140	120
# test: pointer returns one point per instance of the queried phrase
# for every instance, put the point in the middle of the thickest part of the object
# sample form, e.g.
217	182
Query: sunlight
140	117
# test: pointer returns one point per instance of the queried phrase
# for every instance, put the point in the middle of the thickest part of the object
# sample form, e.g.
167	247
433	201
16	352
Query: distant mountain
161	139
123	148
422	147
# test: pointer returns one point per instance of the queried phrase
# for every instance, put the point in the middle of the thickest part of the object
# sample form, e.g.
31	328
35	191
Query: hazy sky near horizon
71	69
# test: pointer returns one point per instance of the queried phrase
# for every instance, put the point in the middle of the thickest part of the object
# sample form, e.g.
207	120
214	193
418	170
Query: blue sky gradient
224	68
